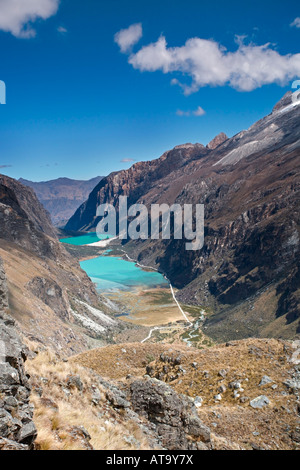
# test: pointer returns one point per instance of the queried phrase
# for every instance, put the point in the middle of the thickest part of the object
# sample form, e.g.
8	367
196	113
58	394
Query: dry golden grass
113	363
245	361
234	425
57	413
249	359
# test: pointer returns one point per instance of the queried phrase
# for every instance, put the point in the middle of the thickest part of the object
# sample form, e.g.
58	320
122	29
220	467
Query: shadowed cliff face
25	198
248	269
136	182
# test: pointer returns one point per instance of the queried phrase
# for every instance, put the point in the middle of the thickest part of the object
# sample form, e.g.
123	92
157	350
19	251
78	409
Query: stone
198	402
222	373
27	433
218	397
265	381
7	444
244	399
237	385
17	430
74	381
260	402
292	384
96	396
174	416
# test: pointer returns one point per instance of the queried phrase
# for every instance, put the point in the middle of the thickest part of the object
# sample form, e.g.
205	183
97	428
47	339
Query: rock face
174	416
135	182
62	197
248	270
218	140
25	200
17	430
285	101
21	224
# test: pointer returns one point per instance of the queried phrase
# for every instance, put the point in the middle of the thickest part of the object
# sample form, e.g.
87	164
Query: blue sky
78	106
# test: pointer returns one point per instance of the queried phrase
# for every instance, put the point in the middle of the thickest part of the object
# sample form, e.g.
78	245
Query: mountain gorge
52	300
247	273
74	376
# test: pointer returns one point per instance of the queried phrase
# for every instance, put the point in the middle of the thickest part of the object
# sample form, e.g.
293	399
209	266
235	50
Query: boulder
175	416
260	402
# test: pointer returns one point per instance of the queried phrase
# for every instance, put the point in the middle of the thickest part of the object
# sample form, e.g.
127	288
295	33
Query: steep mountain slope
51	298
61	197
25	198
135	182
248	269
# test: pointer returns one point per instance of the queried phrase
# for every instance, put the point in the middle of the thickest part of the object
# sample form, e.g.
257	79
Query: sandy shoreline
102	243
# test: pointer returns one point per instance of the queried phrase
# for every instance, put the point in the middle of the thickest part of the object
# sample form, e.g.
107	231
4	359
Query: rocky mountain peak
218	140
187	146
285	101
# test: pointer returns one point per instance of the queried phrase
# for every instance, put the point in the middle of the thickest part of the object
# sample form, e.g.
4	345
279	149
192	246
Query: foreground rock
174	416
17	430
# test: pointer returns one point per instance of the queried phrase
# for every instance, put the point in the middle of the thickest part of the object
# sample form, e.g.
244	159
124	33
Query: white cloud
126	38
209	63
16	16
179	112
296	22
62	30
127	160
197	112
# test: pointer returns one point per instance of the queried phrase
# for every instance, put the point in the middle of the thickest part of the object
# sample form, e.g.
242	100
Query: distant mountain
62	197
248	272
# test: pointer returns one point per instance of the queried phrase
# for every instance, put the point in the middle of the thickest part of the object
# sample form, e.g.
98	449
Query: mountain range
248	270
61	197
73	375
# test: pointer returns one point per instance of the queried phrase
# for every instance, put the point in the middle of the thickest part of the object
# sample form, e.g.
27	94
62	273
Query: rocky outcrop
285	101
62	197
175	417
20	227
17	430
26	200
218	140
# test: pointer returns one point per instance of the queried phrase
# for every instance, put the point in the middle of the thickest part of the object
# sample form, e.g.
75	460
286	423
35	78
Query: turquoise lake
84	239
112	274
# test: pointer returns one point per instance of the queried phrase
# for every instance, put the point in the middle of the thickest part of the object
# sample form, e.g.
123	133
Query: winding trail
154	329
190	324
